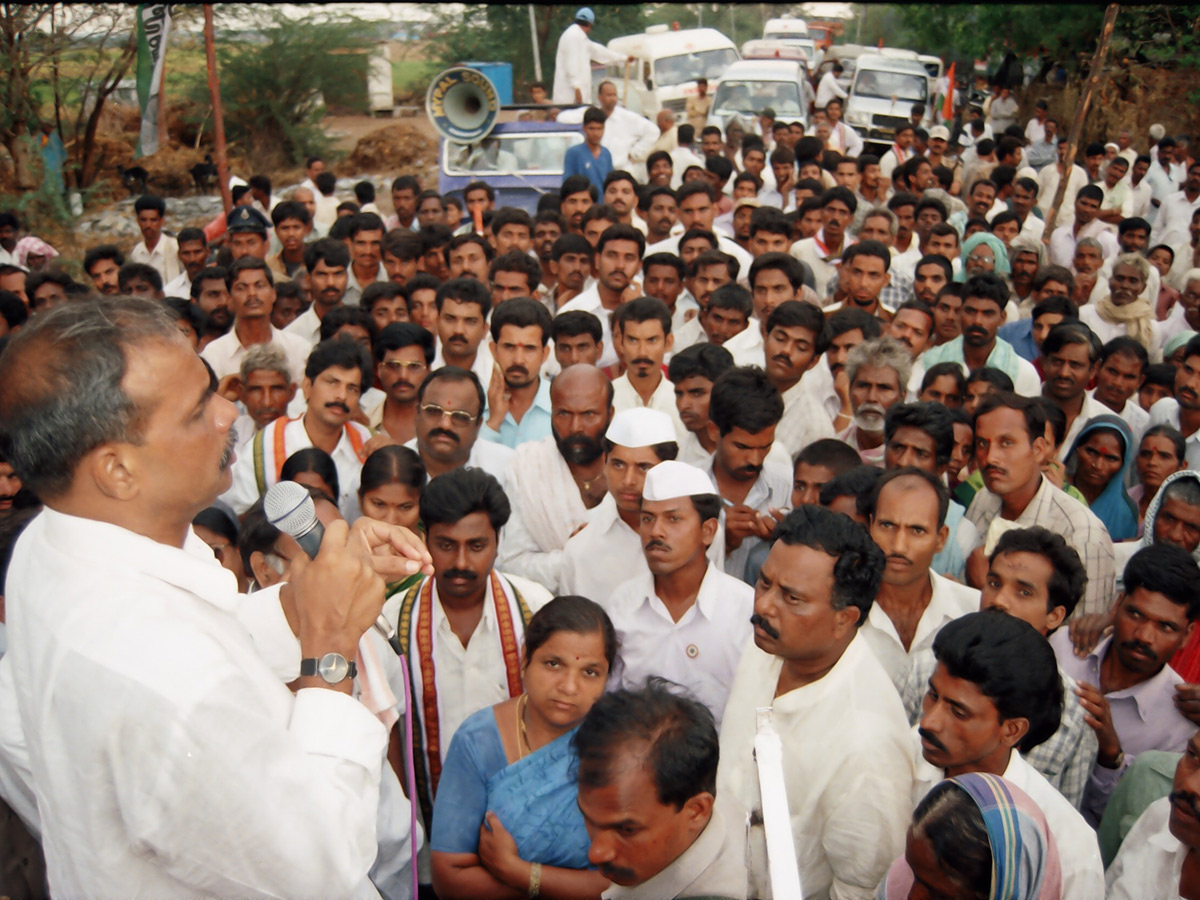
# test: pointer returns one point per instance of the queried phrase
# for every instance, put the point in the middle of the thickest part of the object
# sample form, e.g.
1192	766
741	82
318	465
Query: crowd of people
761	420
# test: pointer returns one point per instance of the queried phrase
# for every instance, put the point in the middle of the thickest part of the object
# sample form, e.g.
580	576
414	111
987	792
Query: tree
277	74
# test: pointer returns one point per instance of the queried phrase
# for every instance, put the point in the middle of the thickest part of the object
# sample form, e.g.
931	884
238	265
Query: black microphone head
289	508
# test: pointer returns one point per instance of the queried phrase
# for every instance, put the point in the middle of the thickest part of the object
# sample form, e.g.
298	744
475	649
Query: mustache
516	370
901	557
1188	799
975	329
338	404
579	448
933	740
656	545
230	444
616	873
642	361
465	574
442	432
1139	647
766	626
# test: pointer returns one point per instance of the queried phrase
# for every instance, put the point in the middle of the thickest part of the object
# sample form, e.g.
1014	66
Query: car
521	159
750	86
882	95
667	64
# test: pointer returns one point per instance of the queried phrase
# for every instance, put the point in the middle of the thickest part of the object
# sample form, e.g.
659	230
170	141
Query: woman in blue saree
505	820
1097	466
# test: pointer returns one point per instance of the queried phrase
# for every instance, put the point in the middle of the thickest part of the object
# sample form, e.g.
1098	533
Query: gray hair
882	353
1135	261
877	212
1185	490
1092	243
268	357
1024	243
63	395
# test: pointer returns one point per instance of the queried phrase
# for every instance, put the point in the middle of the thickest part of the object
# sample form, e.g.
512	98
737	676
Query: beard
869	417
579	448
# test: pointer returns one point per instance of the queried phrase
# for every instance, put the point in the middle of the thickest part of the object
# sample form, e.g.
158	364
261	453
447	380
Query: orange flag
948	103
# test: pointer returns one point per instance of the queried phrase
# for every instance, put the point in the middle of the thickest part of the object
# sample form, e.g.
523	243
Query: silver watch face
333	667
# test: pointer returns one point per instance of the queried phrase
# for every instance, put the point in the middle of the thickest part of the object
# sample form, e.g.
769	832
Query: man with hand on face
995	695
465	623
635	441
848	772
555	481
744	411
403	354
252	296
450	403
335	376
642	330
795	339
909	525
647	788
327	262
518	407
1125	684
684	619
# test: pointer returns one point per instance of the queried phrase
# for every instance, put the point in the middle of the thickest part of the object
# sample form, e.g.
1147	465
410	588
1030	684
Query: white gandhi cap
641	427
671	479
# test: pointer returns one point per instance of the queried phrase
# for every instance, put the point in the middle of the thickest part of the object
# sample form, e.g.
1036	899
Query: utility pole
214	93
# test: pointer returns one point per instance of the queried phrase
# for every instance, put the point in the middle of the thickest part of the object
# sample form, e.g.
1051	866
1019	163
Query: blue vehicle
522	160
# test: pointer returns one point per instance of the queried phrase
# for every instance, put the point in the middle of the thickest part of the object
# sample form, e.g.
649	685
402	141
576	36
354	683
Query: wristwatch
333	667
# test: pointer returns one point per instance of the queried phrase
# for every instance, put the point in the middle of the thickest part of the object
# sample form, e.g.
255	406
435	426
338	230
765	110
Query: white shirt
179	286
948	601
244	490
1166	411
1090	409
154	702
573	64
1048	179
1035	131
847	764
828	89
164	258
1174	217
700	651
226	352
307	326
589	301
1135	417
589	568
845	140
663	399
1150	861
483	365
771	490
1078	848
746	347
627	136
1064	239
804	419
1140	195
353	293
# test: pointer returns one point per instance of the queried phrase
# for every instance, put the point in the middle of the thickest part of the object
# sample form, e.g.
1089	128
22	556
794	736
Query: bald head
665	120
580	410
580	380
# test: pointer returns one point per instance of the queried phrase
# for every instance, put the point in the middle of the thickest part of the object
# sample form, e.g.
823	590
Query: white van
782	29
749	86
667	66
882	96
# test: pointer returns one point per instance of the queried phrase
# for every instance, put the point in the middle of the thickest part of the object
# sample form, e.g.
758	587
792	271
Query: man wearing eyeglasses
403	354
450	405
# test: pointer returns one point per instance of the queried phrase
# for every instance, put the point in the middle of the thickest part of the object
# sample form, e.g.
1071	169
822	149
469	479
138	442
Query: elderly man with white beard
878	371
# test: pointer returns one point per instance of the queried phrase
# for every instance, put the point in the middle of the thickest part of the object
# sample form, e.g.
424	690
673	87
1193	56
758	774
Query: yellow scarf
1137	317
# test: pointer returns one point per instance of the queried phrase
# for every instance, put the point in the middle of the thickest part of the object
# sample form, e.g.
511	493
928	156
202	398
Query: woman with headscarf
977	837
1175	347
33	253
1097	465
1125	309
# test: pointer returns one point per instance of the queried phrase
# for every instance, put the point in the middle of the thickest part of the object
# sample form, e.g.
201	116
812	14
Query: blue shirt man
590	159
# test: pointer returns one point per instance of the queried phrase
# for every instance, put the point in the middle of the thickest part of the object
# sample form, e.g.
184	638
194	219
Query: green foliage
276	80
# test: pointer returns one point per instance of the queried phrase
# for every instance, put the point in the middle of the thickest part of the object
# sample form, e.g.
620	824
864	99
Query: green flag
153	29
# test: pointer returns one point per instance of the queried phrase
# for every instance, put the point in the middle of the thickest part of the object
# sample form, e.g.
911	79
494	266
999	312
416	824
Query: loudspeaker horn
462	103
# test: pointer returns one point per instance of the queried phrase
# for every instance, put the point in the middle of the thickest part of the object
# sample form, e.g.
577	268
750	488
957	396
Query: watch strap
311	666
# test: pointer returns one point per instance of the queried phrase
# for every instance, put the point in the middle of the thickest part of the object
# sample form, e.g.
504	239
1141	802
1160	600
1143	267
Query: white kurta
1150	860
848	768
153	700
225	354
573	64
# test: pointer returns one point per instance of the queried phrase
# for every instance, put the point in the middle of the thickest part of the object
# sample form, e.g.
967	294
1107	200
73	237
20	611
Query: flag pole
214	92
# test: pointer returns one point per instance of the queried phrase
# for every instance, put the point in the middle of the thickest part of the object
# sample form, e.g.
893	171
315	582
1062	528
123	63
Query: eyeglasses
459	417
399	365
974	258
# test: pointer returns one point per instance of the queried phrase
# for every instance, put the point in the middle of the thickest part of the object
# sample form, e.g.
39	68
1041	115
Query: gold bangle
535	881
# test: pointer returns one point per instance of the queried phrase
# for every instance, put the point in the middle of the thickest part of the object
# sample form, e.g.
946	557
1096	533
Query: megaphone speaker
463	105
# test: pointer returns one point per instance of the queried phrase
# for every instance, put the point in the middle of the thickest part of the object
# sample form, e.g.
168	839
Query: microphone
289	508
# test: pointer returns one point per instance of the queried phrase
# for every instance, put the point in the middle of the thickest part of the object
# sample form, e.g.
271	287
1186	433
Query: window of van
537	152
752	96
885	85
710	64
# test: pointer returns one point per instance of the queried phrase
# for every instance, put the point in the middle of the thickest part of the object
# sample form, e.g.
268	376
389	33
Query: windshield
785	36
886	85
751	96
710	64
511	153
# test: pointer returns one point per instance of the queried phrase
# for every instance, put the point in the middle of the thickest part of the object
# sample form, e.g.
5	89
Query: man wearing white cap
608	550
573	61
684	619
